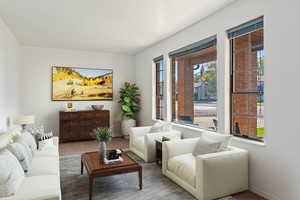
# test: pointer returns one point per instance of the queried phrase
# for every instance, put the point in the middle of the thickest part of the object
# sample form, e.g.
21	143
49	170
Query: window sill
199	129
243	140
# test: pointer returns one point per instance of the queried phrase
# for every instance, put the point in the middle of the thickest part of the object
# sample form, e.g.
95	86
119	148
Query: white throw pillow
157	127
217	137
205	146
27	138
161	126
5	139
11	174
22	153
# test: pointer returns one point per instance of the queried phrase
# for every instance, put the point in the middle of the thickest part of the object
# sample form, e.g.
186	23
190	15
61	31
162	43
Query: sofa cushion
11	174
43	166
217	137
184	166
28	139
47	151
139	143
22	153
5	139
205	146
38	187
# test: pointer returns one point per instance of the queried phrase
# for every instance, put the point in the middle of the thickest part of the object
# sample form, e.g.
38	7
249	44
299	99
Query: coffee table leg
91	179
81	167
141	178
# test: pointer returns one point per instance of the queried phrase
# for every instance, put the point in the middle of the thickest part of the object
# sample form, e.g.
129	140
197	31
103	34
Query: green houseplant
130	105
103	135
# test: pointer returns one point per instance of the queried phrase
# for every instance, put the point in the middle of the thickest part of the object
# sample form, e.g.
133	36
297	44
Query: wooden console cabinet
74	126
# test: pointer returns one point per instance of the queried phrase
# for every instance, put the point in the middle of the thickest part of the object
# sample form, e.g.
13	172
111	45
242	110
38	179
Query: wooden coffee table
96	168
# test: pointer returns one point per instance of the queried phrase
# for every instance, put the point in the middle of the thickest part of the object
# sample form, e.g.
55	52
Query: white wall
274	168
36	85
9	72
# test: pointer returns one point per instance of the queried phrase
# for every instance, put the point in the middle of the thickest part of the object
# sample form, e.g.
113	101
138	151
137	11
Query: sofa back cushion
22	153
205	146
27	139
11	174
217	137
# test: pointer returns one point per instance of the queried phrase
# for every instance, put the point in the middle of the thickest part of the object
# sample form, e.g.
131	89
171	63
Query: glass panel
195	89
248	85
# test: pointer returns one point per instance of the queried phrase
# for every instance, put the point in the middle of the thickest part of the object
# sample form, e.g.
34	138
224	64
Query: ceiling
118	26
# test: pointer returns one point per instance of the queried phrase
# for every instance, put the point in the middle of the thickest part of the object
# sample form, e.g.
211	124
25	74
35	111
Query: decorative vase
102	150
126	125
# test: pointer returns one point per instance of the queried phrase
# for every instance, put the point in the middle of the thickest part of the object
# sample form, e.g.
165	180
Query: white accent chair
207	176
142	143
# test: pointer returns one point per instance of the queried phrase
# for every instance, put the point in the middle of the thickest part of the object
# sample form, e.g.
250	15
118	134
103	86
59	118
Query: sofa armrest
137	132
222	173
175	148
150	138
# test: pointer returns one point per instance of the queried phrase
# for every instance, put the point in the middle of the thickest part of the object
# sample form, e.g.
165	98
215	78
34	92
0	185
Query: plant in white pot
130	105
103	135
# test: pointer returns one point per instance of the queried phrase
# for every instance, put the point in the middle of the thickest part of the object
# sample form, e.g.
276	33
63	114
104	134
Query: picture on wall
81	84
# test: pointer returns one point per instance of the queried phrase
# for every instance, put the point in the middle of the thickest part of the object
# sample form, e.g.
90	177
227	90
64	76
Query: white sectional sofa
142	143
42	181
208	176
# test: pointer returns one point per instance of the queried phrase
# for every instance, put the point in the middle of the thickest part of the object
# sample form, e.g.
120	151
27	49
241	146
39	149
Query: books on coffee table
106	161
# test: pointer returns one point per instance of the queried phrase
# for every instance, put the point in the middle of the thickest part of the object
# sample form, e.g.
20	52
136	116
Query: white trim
153	91
253	142
198	129
168	72
263	194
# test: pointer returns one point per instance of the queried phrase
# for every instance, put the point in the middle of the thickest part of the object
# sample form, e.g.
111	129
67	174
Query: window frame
159	63
231	91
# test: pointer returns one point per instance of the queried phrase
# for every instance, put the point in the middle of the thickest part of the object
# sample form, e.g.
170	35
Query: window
159	87
194	84
247	80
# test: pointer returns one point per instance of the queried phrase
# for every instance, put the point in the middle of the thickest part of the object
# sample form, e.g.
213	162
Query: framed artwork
81	84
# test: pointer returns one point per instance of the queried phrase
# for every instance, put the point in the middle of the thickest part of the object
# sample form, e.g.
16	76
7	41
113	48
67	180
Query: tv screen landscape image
81	84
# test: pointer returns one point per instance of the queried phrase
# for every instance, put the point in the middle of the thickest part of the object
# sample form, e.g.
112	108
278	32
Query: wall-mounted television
81	84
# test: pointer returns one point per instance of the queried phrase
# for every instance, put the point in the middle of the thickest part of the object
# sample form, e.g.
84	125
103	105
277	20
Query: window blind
197	46
245	28
158	59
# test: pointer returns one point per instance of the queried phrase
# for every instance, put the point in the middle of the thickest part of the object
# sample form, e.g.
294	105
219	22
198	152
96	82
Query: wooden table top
93	163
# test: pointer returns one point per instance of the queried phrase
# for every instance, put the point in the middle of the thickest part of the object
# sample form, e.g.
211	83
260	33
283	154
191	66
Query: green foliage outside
129	100
102	134
260	132
210	78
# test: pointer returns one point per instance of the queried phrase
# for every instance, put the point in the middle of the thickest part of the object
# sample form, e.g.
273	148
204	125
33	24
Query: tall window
247	78
159	87
194	84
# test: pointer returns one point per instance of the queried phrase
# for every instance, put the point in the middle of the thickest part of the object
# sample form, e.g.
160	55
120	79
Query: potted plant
103	135
130	105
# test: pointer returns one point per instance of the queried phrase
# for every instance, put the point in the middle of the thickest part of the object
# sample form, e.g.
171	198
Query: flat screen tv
81	84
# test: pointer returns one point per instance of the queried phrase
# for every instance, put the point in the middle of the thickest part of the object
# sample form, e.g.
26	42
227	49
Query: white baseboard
263	193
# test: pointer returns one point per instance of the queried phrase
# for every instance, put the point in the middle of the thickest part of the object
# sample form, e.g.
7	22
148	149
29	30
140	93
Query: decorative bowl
97	107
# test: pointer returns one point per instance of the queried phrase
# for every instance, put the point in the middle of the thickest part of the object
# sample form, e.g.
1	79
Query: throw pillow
11	174
37	131
217	137
22	153
157	127
161	126
205	146
27	138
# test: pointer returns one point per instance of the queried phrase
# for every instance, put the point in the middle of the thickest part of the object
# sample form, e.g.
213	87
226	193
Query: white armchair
142	143
208	176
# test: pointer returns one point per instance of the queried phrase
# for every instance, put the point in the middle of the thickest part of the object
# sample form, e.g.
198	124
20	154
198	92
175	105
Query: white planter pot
126	125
